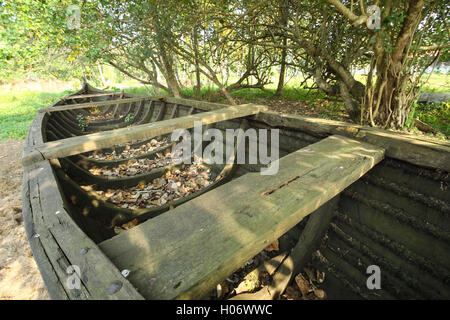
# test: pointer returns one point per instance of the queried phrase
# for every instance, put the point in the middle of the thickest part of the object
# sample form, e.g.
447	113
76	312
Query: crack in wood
266	193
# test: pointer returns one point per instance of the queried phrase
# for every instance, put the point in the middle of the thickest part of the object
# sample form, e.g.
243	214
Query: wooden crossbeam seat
92	95
185	252
92	104
80	144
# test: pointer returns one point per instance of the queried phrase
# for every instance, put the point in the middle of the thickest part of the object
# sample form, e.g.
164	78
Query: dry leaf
302	284
250	284
274	246
320	293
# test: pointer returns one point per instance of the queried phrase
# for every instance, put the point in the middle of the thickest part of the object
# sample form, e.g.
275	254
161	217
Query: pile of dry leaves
248	280
130	151
175	184
306	286
134	167
93	116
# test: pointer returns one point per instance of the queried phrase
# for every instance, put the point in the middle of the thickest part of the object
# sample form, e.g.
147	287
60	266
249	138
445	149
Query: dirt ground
19	275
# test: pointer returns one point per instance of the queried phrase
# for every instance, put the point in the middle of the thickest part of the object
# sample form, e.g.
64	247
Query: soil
19	275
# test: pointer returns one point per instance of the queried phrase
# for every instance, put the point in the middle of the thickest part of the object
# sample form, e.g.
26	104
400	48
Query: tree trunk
389	102
170	76
101	73
283	22
282	69
198	85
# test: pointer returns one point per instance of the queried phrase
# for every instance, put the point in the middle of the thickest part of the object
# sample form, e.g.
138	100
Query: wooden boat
345	197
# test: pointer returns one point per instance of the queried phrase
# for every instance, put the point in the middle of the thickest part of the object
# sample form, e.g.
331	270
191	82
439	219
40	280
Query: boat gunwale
48	259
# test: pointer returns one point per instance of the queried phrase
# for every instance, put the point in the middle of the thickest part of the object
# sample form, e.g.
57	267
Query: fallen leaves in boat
305	285
130	151
244	279
93	116
274	246
134	167
173	185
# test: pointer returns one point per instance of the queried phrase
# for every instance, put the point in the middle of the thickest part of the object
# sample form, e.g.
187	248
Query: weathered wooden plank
58	263
91	104
92	95
414	149
99	140
97	272
57	242
204	105
184	253
53	285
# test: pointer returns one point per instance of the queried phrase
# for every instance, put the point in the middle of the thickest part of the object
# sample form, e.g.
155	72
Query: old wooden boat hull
345	198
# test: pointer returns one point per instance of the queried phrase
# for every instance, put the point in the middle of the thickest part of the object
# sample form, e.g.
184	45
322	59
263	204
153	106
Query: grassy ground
19	107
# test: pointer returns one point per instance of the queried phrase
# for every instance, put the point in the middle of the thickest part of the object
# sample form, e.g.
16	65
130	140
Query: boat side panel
398	218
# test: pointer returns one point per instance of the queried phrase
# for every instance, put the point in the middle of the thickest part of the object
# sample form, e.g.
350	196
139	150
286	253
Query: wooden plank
184	253
92	95
49	275
97	272
76	145
203	105
418	150
91	104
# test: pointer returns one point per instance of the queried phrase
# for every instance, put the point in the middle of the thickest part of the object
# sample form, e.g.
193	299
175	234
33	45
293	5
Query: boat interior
181	228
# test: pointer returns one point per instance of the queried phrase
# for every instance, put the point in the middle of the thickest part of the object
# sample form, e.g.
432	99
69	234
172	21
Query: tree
396	55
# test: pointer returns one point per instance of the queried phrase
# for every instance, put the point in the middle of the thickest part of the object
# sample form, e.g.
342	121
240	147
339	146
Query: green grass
435	83
436	115
18	109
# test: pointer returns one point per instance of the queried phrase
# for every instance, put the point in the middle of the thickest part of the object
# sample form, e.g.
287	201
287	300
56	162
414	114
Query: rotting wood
317	225
204	105
57	242
92	95
97	272
76	145
91	104
230	224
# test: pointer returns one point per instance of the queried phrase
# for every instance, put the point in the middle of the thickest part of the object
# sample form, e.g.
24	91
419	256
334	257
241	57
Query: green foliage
35	40
82	124
436	115
129	117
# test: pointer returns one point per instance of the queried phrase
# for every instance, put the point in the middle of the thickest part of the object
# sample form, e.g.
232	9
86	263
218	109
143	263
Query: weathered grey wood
91	104
92	95
76	145
317	225
65	244
414	149
57	242
204	105
53	285
187	251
